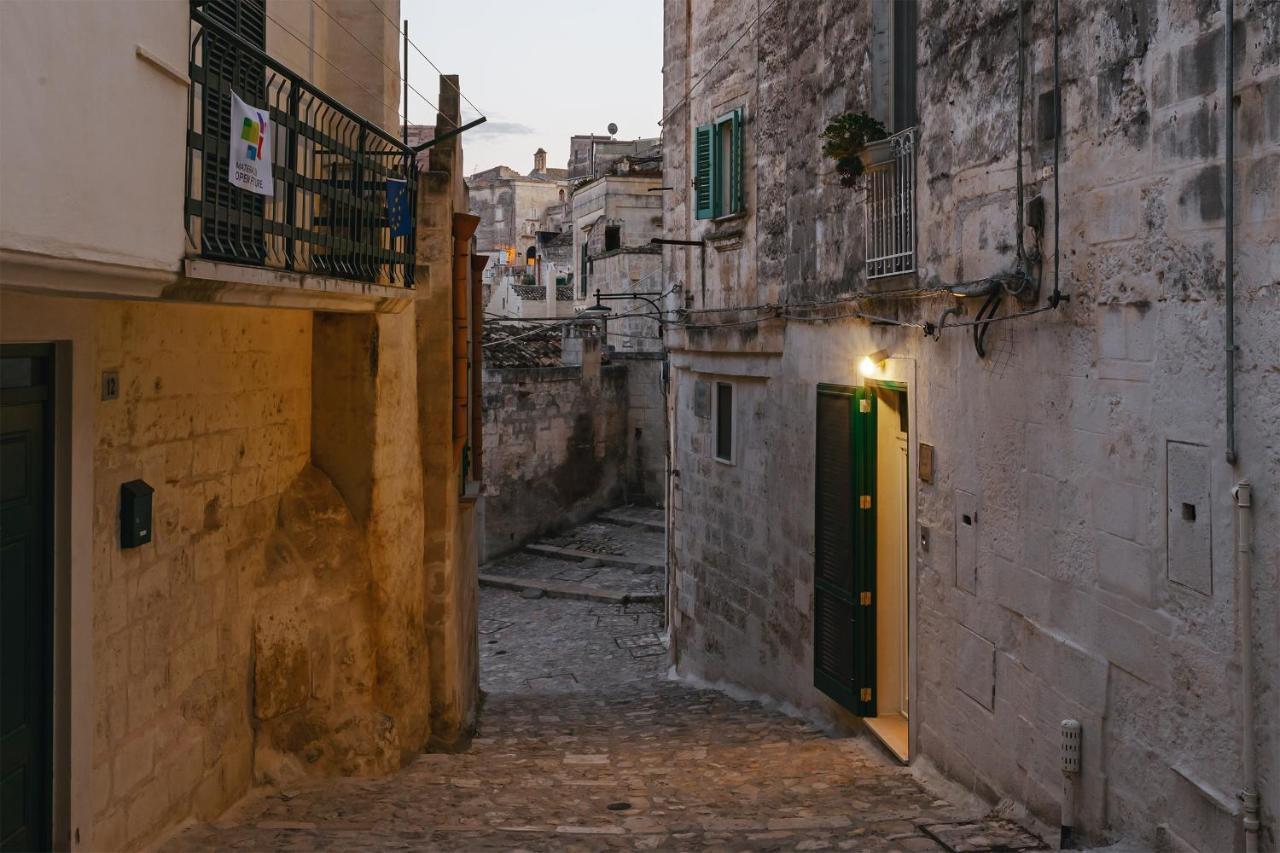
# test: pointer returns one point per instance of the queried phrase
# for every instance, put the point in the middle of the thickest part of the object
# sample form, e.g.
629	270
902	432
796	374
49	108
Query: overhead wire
444	76
720	59
399	76
330	63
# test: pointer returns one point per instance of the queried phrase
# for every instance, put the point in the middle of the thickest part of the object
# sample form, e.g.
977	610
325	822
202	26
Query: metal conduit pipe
1229	248
1242	495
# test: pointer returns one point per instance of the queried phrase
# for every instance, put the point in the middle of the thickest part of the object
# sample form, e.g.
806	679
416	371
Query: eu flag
398	217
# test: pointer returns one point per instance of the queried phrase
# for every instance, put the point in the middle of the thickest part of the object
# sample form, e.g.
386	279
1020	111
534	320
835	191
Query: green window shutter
844	549
735	166
703	171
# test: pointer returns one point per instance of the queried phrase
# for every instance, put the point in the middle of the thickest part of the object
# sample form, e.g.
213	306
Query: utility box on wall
135	513
1188	522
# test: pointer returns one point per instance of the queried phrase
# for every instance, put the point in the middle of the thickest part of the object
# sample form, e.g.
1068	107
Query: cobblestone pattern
584	746
605	538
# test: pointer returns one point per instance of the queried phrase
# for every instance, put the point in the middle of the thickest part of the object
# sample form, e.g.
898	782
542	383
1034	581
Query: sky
541	70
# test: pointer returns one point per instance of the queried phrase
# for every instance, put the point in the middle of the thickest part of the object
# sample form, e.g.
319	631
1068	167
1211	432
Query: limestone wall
556	449
215	413
1072	436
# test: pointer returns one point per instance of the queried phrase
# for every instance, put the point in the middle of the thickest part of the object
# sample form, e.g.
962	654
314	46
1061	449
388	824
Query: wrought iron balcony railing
890	216
328	214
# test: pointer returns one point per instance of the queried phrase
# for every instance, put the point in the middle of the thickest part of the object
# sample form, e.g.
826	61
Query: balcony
890	210
328	215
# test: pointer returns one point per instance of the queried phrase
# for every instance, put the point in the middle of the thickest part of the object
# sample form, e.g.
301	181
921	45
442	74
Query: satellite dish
613	128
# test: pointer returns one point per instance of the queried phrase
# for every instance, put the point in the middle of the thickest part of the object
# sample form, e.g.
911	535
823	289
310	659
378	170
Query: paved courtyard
584	744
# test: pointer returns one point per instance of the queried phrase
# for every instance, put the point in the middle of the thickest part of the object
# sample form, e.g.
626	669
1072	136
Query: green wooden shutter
735	167
703	171
844	549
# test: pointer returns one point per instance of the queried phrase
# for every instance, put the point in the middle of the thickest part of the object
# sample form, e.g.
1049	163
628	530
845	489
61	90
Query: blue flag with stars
398	217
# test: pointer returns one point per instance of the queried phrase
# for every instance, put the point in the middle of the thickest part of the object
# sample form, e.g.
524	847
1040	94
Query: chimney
540	160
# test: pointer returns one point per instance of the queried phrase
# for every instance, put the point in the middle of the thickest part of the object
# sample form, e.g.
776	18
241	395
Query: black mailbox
135	514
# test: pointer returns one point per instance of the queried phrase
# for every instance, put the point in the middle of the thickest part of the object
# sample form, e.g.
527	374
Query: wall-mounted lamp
873	363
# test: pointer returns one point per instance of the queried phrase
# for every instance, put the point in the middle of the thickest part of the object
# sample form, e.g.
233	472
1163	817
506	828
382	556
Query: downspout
1243	496
1229	248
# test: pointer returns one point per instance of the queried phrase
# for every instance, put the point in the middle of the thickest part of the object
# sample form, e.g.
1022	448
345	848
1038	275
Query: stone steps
621	517
567	589
622	559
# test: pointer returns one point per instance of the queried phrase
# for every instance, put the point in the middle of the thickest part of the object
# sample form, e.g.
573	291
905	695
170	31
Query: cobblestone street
585	744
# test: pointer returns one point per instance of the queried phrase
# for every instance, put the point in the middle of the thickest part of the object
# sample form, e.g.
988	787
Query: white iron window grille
890	219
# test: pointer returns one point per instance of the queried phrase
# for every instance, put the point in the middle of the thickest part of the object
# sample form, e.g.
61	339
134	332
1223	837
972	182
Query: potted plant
857	142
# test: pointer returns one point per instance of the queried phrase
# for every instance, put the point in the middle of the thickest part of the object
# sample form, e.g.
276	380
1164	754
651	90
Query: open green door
844	627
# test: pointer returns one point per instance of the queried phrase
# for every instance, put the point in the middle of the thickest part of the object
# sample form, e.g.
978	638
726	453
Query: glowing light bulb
868	367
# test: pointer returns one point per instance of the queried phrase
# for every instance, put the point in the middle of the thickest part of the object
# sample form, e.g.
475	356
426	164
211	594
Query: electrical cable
1022	98
985	314
721	58
1057	296
309	46
444	76
399	78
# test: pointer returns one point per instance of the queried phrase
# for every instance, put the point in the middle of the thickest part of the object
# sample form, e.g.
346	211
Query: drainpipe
1243	496
1229	249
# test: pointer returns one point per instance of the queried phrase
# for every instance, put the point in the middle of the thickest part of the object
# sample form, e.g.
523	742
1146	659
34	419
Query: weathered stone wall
633	326
1068	436
558	447
646	468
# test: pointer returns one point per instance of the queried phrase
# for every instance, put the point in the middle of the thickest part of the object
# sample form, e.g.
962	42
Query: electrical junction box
135	514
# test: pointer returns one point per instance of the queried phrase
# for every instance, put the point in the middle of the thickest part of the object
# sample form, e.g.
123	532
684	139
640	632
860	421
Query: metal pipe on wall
1242	496
1229	248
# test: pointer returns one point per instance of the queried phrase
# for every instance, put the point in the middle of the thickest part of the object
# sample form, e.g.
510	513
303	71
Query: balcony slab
197	280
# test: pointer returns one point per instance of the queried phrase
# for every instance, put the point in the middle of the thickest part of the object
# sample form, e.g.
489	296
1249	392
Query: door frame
50	735
899	374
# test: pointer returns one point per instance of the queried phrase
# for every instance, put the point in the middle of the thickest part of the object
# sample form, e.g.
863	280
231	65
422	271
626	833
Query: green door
26	613
844	627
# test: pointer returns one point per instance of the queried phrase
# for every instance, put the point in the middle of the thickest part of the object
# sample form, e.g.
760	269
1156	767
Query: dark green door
26	614
844	548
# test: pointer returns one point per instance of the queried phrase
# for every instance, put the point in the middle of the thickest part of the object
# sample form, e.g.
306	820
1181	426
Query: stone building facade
510	207
301	601
1064	513
615	216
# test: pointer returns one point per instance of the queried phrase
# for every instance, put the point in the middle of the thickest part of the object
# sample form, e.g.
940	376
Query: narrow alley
584	743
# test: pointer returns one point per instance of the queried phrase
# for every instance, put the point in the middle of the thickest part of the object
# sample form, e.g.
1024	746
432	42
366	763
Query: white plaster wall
90	127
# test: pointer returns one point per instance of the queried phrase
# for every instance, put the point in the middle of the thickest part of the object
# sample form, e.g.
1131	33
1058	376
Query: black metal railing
330	167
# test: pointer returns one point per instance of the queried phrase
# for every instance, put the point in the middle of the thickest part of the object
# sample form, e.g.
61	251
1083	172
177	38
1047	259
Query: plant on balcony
846	141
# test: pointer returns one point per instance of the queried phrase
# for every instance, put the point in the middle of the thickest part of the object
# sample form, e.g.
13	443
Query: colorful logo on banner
250	163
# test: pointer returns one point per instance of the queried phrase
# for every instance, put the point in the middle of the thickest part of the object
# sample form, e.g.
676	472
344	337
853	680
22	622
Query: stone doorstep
628	521
564	589
624	559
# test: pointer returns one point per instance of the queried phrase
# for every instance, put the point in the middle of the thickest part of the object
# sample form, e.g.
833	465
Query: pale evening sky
541	71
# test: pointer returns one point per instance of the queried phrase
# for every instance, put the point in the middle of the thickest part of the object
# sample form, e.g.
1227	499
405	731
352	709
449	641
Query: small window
718	167
724	421
612	237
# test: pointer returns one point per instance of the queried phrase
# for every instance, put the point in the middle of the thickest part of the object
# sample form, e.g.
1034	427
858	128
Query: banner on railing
250	163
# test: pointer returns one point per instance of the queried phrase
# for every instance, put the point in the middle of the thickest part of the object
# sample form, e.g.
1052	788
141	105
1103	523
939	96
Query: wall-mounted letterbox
135	514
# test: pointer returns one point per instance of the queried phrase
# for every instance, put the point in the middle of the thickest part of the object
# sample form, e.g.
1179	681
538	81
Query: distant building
591	155
615	218
511	206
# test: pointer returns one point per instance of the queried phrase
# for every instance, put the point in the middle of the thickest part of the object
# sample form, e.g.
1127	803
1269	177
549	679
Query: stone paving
618	554
585	745
590	573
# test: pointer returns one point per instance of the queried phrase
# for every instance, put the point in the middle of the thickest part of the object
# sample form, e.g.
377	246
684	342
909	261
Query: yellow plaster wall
214	412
